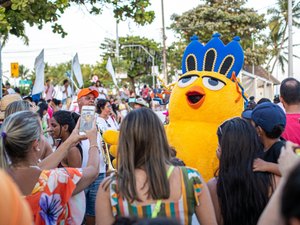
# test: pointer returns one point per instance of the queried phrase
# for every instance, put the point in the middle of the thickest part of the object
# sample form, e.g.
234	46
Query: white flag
39	66
110	69
77	70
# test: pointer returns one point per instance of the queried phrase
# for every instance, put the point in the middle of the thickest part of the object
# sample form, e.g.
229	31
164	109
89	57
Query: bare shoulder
74	149
45	147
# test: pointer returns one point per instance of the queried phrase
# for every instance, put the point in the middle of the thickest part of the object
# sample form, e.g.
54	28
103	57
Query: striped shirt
182	210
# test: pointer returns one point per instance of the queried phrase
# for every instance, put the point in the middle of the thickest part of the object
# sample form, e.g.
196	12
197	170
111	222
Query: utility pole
117	40
165	69
290	26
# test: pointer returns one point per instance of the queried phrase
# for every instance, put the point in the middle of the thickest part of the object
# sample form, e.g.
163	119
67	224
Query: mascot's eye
187	80
212	83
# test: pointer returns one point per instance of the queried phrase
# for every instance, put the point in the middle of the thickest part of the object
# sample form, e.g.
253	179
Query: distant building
259	83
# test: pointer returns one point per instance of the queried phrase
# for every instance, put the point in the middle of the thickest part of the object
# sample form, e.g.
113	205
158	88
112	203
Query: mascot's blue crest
214	56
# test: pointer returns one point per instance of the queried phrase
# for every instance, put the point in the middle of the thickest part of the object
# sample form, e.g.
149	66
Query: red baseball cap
87	91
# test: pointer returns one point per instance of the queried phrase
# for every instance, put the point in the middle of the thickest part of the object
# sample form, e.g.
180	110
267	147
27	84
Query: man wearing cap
290	98
87	97
269	121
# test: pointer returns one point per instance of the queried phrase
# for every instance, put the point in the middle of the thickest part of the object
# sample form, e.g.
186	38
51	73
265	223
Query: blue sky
86	32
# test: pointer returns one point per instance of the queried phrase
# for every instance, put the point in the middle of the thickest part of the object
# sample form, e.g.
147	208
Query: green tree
230	18
24	72
174	56
134	59
14	14
278	24
58	73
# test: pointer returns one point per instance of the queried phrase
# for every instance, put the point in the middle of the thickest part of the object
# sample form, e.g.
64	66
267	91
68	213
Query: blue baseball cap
267	115
247	114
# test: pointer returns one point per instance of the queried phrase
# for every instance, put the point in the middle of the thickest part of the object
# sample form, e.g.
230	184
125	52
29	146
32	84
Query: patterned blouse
51	200
182	210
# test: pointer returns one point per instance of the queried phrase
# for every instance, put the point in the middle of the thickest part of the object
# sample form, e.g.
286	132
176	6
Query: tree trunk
132	83
5	3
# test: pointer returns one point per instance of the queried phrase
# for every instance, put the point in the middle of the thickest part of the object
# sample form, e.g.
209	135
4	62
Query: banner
39	66
110	69
77	70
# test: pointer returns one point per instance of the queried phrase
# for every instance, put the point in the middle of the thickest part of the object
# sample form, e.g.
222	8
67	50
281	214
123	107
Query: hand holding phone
87	118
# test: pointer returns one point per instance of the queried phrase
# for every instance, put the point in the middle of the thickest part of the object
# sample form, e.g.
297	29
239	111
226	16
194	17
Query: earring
38	149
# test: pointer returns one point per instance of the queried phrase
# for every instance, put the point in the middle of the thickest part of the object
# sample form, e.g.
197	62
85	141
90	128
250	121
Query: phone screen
87	118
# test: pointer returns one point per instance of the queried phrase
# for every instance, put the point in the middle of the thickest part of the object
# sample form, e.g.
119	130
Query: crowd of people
54	174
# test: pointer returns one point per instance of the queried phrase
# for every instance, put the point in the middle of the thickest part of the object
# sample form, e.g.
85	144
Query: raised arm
287	161
91	171
56	157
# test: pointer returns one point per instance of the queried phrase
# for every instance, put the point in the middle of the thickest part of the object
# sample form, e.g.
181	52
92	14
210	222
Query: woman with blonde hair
146	184
51	193
23	105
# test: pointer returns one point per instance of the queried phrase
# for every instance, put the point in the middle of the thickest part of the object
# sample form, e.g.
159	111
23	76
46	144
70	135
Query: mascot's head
208	89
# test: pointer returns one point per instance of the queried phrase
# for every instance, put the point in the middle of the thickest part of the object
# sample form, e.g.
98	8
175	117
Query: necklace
25	167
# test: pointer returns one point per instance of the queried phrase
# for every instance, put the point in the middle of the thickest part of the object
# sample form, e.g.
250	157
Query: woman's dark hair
56	101
65	81
158	221
115	108
42	106
100	105
242	193
64	117
174	160
143	145
290	207
136	221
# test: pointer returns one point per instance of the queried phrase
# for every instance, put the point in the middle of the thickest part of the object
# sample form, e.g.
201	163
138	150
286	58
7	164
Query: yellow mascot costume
207	94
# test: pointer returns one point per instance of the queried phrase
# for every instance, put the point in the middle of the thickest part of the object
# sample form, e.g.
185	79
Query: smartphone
87	118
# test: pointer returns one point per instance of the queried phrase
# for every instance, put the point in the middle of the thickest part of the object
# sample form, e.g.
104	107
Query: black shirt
273	153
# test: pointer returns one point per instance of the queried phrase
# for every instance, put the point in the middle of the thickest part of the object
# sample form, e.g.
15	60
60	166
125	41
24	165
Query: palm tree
24	72
278	24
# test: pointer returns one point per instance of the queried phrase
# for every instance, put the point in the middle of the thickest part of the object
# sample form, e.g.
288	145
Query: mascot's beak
195	96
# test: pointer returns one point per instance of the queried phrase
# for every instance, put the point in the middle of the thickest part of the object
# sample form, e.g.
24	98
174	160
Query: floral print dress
51	200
